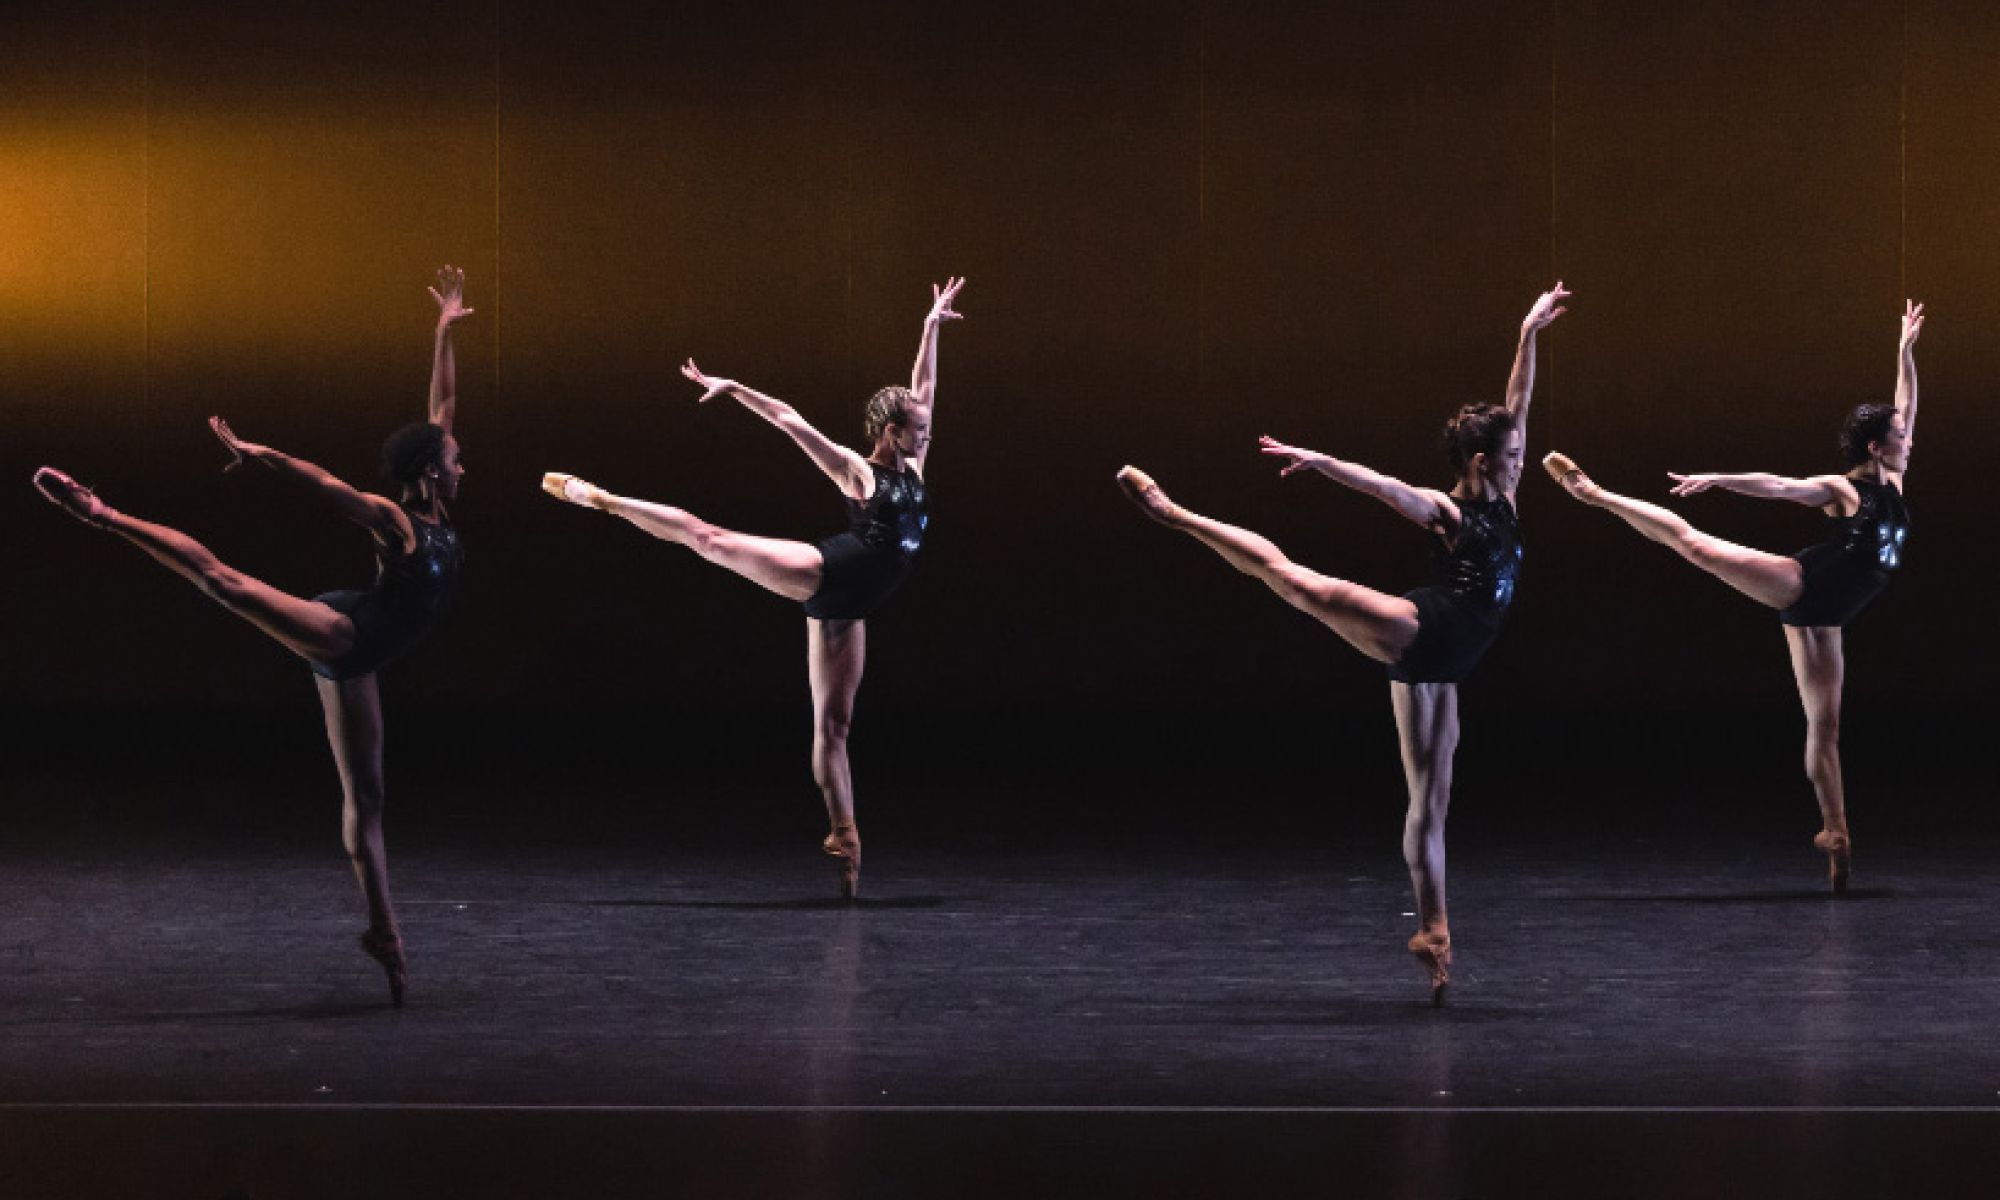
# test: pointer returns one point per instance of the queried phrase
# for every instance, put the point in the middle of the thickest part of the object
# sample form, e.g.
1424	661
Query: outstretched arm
450	296
1906	367
1425	506
1521	383
1815	492
377	514
848	470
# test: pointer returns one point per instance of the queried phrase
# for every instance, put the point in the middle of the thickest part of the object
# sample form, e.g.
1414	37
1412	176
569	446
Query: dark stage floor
1046	1009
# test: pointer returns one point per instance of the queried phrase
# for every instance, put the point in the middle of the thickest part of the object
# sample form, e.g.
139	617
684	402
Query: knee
1822	734
1696	548
217	581
831	728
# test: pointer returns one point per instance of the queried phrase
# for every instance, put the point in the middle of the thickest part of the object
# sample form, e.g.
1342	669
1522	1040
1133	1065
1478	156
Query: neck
1872	470
1474	487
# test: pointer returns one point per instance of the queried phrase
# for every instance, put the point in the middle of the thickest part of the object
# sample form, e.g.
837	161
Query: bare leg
307	628
354	731
1427	728
835	653
1769	579
1819	665
791	569
1380	626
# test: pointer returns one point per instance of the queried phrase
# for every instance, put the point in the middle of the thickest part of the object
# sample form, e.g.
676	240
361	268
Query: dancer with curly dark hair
1431	638
345	636
1821	588
840	580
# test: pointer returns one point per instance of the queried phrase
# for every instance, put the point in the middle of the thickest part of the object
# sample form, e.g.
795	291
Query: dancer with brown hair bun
840	580
1821	588
1431	638
346	636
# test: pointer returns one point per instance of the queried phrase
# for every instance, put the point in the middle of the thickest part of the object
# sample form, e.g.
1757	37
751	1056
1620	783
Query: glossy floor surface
1663	975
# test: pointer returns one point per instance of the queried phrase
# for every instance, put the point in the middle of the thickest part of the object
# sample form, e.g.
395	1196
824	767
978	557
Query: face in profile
912	435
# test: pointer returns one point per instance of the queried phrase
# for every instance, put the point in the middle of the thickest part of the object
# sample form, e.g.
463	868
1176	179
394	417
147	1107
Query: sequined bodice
424	582
895	515
1873	536
1480	565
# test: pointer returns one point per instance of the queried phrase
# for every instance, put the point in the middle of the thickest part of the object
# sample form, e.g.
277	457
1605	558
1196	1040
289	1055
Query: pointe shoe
387	948
570	489
1568	475
72	497
1432	948
1839	851
1140	488
844	844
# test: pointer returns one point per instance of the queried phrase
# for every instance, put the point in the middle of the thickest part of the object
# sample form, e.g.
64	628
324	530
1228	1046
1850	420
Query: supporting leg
354	731
835	653
1427	728
1819	666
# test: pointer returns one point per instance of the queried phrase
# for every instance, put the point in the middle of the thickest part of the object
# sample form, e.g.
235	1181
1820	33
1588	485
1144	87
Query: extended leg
1769	579
791	569
835	653
305	627
1427	728
1380	626
354	731
1819	665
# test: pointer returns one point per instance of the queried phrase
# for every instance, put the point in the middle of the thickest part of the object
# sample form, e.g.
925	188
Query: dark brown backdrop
1183	226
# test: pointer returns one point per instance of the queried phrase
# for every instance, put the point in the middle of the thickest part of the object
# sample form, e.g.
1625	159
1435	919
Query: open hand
712	385
1913	323
1688	485
237	447
1546	309
941	298
1299	459
450	296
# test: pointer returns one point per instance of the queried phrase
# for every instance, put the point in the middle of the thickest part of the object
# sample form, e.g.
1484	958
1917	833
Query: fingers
434	295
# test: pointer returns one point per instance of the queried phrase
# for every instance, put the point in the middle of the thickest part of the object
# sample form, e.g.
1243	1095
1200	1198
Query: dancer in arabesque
1822	588
346	636
840	580
1431	638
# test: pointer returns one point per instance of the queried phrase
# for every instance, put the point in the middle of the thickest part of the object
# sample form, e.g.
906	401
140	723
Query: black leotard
1852	566
1458	618
868	562
413	593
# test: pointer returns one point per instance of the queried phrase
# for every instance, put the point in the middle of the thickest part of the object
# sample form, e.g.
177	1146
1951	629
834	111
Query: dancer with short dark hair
1431	638
840	580
346	636
1821	588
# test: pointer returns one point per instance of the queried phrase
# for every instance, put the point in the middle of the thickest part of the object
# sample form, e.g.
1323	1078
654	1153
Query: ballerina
1819	590
346	636
1430	638
841	580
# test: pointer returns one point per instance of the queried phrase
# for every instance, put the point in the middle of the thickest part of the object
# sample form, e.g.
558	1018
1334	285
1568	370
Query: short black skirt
856	578
1451	639
1837	588
381	635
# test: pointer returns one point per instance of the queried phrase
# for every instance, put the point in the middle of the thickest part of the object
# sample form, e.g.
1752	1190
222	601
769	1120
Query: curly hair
1867	423
890	406
1476	429
412	450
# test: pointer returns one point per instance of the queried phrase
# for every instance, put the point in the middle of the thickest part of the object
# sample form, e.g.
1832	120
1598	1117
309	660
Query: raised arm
923	376
377	514
848	470
450	296
1819	491
1906	367
1521	383
1424	506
